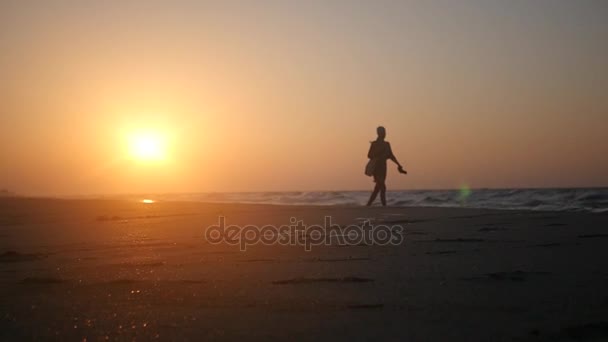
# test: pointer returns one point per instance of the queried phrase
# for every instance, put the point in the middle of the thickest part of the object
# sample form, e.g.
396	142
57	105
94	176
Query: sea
593	200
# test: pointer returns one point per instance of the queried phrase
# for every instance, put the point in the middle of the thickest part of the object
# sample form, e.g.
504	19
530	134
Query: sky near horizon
286	95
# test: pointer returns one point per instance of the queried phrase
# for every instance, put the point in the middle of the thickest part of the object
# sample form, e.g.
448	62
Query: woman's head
381	132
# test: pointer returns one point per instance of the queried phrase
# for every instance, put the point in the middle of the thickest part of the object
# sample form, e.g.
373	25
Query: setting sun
147	146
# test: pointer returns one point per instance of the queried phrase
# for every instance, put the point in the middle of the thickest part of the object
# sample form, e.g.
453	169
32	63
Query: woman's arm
394	159
391	156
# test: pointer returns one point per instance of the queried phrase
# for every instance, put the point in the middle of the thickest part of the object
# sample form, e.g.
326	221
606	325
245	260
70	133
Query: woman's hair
381	132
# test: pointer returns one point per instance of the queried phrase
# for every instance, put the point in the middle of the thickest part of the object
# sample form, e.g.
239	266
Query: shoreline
603	211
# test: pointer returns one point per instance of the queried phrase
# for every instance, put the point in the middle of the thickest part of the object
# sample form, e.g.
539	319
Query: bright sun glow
147	146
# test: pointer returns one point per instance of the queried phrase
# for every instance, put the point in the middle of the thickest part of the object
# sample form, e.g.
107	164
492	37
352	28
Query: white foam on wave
589	200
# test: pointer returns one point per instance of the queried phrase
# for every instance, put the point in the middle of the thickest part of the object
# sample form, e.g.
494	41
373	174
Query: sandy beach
123	270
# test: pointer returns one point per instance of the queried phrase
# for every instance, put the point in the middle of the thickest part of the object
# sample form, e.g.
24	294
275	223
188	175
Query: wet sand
119	270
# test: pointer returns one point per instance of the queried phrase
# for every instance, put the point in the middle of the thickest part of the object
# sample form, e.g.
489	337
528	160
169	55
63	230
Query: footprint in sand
302	280
508	276
42	280
12	256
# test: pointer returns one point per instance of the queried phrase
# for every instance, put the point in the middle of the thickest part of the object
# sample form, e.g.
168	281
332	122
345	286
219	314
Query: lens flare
464	192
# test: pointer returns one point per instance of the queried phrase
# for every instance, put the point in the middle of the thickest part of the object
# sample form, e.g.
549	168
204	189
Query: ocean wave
587	200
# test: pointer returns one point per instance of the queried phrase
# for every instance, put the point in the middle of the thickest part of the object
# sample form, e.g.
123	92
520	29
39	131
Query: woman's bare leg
374	194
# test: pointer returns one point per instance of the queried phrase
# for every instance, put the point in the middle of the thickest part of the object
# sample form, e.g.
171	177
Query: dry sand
118	270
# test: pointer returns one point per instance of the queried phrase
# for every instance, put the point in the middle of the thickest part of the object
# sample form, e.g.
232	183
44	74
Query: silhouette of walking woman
379	151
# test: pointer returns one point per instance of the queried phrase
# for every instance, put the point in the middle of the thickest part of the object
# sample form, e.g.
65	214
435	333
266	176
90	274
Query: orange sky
270	96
